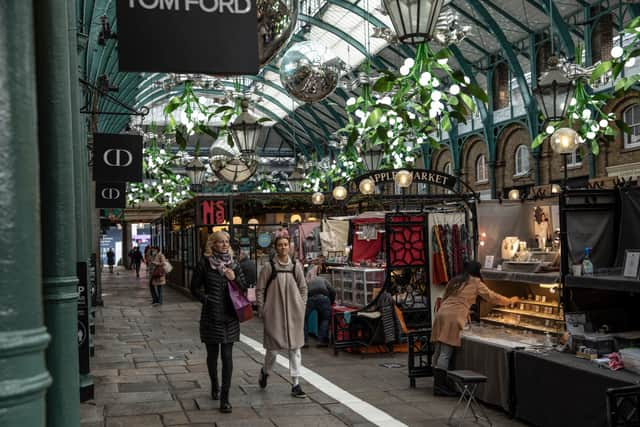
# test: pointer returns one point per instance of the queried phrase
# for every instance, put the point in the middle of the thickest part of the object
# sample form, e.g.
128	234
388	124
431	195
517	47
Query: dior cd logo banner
188	36
111	194
117	158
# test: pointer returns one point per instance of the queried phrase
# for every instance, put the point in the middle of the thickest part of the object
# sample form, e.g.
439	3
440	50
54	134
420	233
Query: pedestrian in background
111	259
219	325
281	304
136	260
248	269
158	275
321	297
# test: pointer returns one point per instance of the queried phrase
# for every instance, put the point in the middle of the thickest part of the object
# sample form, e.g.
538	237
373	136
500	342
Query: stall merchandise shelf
354	285
546	303
609	283
514	276
521	325
529	313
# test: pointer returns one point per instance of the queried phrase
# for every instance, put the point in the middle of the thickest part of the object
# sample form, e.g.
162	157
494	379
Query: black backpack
274	274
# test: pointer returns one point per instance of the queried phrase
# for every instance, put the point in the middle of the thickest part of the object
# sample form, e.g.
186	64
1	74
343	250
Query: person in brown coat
281	304
158	274
461	292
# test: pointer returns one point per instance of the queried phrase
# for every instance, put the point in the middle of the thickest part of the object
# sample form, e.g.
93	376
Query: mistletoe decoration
401	112
161	184
586	112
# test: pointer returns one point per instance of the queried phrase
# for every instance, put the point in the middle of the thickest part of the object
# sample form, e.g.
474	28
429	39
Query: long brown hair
455	285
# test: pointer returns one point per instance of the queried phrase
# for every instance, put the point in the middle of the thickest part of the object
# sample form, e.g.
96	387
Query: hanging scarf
220	262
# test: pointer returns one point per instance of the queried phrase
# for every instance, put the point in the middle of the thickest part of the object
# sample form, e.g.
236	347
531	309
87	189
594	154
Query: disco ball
309	71
276	22
238	169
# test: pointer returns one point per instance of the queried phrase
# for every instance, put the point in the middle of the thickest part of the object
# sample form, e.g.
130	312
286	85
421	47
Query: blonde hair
213	237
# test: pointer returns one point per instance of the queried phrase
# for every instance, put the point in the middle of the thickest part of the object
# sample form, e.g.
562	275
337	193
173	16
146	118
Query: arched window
522	160
631	117
447	168
481	169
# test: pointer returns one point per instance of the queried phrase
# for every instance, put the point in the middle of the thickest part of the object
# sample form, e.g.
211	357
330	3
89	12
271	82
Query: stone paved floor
149	370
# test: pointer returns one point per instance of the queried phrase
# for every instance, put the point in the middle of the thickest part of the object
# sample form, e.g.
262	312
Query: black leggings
227	364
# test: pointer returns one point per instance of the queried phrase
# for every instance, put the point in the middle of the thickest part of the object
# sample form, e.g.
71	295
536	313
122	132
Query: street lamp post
564	141
554	92
196	171
414	21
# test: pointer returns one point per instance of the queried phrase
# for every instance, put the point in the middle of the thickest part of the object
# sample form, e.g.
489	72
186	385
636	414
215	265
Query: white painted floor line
366	410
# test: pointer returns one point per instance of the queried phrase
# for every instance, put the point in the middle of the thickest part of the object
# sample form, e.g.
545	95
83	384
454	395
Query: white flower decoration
409	62
404	70
603	123
436	95
591	135
617	51
550	129
454	89
351	101
586	114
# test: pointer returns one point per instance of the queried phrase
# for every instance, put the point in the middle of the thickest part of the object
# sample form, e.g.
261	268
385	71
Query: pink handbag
240	303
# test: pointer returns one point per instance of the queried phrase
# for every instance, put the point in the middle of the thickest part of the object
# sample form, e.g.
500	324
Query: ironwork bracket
130	111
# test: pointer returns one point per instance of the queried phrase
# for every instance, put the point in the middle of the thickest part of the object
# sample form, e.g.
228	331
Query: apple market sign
188	36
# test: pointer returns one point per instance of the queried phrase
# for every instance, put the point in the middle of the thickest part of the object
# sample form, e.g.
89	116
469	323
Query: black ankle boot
441	386
225	406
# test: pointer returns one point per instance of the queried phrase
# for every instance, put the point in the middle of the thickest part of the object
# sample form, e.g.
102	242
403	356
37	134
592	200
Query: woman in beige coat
281	305
158	275
461	292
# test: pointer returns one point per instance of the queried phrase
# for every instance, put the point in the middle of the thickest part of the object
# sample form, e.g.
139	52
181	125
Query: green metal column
58	213
23	337
80	161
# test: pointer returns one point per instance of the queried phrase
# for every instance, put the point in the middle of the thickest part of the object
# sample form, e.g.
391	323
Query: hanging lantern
555	188
564	141
246	130
414	20
196	171
296	180
403	178
317	198
339	193
372	158
294	218
367	186
514	194
554	92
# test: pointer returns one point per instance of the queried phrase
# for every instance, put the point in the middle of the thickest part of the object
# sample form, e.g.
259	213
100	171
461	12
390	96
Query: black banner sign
111	195
117	157
83	317
211	211
188	36
422	176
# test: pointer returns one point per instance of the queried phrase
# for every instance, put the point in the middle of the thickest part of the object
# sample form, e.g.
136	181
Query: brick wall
552	165
471	150
500	86
601	38
508	141
613	153
439	160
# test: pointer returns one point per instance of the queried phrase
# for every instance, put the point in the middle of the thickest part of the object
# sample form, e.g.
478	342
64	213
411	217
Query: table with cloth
559	389
492	357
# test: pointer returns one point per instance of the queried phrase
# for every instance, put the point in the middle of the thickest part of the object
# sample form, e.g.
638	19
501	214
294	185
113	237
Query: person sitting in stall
461	292
321	297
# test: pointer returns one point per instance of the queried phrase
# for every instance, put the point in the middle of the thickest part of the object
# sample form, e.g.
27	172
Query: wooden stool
467	382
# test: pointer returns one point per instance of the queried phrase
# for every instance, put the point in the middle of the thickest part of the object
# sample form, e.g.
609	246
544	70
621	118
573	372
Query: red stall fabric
407	242
365	250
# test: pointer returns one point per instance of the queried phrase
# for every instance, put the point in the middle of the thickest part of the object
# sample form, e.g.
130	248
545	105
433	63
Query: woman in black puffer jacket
219	325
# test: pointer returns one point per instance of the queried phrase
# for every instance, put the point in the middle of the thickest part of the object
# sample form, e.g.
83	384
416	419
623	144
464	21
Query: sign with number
211	211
